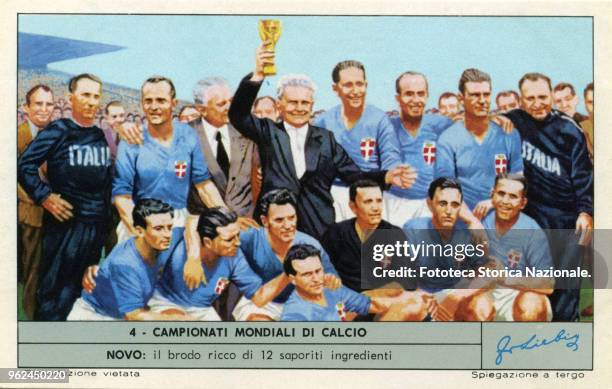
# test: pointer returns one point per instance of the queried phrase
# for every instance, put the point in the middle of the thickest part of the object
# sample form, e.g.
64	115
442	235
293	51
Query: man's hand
482	208
475	227
58	207
403	176
175	314
193	273
263	57
332	282
89	278
458	117
246	222
435	310
132	133
584	227
503	122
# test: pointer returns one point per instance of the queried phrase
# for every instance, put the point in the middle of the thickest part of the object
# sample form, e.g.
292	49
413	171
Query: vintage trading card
247	194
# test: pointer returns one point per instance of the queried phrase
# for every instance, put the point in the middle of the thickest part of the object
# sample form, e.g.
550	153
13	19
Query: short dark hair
514	177
30	93
507	93
146	207
409	73
443	183
213	218
299	252
473	75
257	100
72	84
446	95
113	103
563	85
158	79
589	87
363	183
277	197
185	107
345	65
534	76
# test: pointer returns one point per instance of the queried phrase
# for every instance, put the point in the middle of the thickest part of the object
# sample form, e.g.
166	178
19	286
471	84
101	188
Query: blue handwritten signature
503	346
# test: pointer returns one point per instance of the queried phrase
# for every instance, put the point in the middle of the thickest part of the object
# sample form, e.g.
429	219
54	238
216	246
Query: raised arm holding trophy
295	155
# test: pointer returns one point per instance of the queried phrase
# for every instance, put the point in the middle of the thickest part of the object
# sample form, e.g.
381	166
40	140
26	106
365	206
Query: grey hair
201	88
294	80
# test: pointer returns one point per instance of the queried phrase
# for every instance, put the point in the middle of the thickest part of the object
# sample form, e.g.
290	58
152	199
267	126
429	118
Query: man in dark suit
295	155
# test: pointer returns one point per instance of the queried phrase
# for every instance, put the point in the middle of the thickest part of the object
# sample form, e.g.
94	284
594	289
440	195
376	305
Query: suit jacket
28	212
236	189
325	161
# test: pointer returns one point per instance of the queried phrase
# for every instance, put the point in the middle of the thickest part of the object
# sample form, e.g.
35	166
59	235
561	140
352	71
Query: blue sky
187	48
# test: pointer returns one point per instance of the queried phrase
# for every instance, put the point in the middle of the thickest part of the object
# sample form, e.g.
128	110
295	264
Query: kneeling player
266	247
312	301
222	262
127	278
517	242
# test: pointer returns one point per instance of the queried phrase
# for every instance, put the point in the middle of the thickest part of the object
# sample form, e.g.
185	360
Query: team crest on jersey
501	164
514	258
180	168
341	311
221	285
429	152
367	147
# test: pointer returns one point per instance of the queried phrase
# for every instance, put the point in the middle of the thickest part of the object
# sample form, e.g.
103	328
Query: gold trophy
270	30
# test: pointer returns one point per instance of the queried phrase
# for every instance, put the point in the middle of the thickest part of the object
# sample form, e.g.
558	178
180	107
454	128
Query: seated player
517	242
312	301
127	278
222	261
467	304
265	249
343	241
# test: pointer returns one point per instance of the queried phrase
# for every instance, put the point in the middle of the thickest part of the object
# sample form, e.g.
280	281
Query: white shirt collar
296	129
297	140
211	133
212	130
34	129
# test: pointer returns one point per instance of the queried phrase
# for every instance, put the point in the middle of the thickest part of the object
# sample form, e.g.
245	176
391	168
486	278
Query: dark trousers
226	303
111	238
566	254
30	241
68	249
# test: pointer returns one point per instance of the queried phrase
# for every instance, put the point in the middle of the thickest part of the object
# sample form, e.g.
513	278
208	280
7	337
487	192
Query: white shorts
246	307
81	310
503	298
399	210
158	303
341	202
180	215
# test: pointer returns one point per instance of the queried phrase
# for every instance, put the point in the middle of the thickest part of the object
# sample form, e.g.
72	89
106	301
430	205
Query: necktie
222	158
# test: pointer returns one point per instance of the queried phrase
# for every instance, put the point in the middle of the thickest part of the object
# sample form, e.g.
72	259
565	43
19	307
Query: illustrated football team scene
256	208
